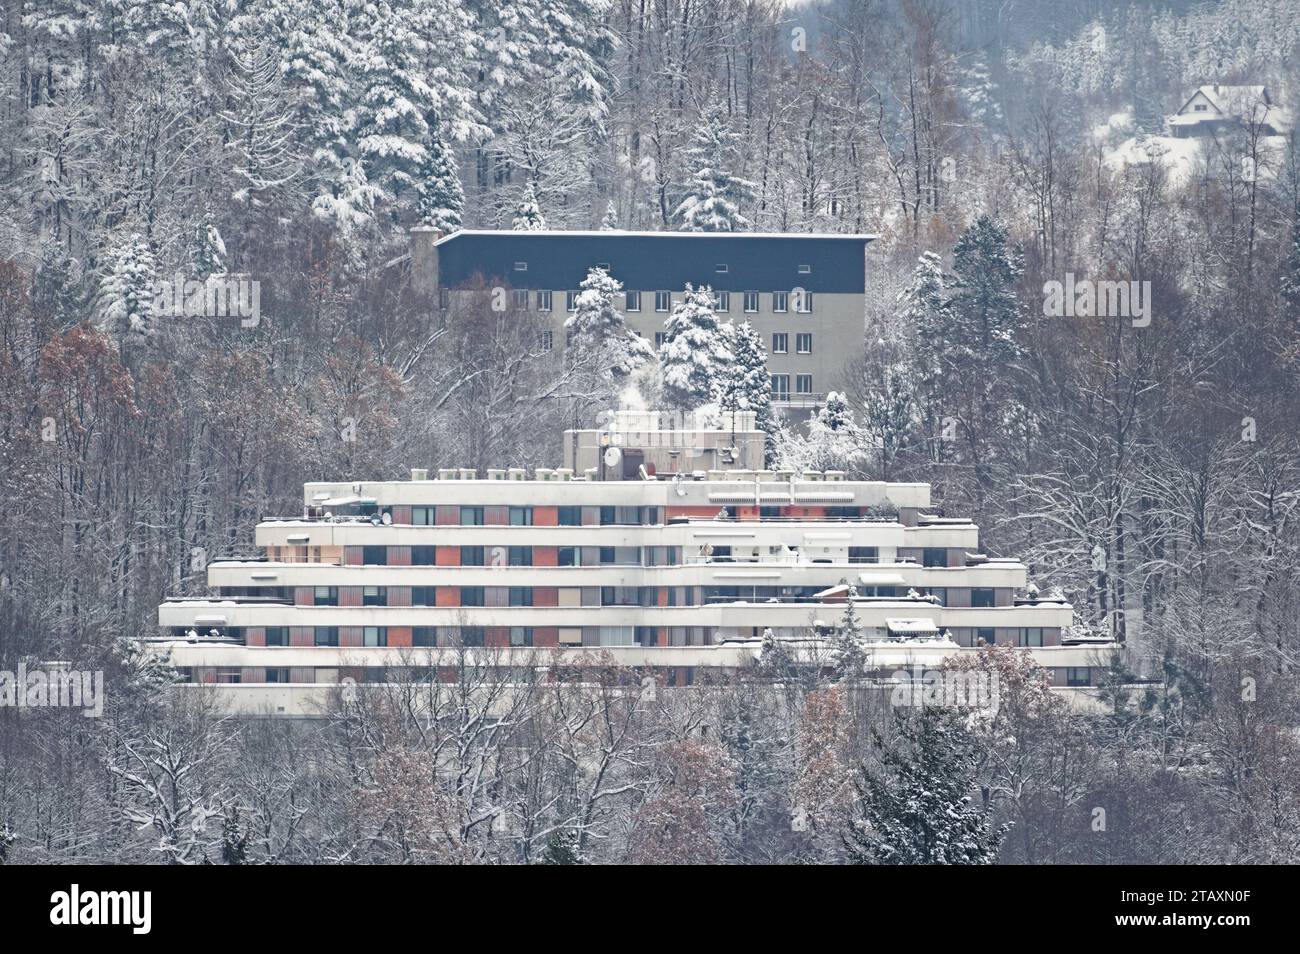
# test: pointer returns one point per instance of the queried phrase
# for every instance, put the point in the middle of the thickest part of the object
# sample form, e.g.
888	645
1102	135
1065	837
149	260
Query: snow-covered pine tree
847	656
598	336
610	221
986	318
923	309
125	301
918	809
57	295
695	357
442	202
208	256
887	415
714	195
834	441
528	214
749	386
391	125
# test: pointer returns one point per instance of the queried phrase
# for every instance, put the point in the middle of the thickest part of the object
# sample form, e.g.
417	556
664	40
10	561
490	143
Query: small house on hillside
1212	109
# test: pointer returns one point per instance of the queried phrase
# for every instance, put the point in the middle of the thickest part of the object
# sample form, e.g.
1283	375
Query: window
570	301
722	301
325	636
374	596
521	266
632	300
422	516
471	556
1199	107
424	556
862	554
720	269
981	598
521	596
805	269
803	342
519	298
934	556
471	516
780	343
569	516
521	516
780	301
521	635
277	675
277	636
374	556
543	301
424	596
471	596
780	387
425	637
751	302
663	300
803	384
326	596
660	338
471	635
804	302
985	634
520	556
374	636
1078	675
567	556
1031	636
548	340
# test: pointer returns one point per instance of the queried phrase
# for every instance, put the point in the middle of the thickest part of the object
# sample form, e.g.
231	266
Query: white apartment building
667	568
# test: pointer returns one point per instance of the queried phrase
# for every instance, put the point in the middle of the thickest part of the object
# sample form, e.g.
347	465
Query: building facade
805	294
678	573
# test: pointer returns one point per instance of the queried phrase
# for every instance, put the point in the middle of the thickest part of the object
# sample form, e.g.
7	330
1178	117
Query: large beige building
804	293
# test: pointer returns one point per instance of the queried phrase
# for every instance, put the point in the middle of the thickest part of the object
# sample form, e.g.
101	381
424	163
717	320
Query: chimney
424	258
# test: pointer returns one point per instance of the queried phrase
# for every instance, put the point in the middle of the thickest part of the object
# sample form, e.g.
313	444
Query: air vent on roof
468	473
834	475
496	473
447	473
518	473
545	473
564	473
419	473
721	269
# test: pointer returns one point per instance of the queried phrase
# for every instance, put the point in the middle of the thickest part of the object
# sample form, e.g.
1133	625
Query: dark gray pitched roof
559	260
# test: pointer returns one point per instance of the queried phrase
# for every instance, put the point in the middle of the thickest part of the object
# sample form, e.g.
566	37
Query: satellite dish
612	456
678	485
387	518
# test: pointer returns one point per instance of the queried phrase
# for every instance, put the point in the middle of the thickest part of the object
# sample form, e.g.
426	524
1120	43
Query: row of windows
798	301
523	516
802	343
803	384
517	556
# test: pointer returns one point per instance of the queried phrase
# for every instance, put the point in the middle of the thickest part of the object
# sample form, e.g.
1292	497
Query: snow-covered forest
1151	472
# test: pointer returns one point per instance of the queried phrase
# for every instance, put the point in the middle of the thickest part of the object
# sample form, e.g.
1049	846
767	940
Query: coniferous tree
695	357
714	195
918	809
442	202
528	214
749	386
598	335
